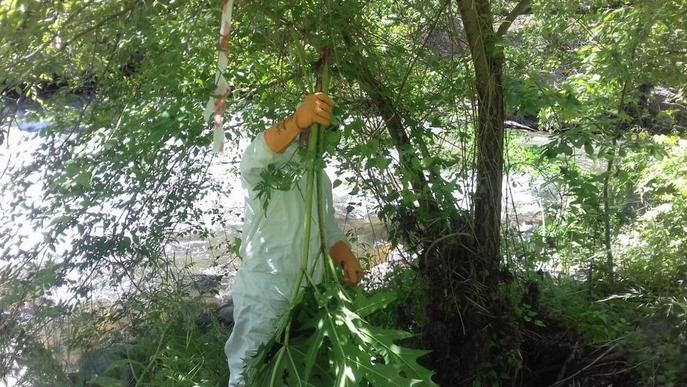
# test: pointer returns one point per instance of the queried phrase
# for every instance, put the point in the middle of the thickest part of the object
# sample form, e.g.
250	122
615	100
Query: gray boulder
108	366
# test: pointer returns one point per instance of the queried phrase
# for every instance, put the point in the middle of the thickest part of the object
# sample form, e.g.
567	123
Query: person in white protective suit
272	240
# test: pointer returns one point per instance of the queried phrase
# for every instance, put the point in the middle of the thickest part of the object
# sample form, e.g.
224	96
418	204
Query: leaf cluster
333	344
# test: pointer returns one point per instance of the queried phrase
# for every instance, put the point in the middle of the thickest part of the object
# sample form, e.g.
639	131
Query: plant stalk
314	154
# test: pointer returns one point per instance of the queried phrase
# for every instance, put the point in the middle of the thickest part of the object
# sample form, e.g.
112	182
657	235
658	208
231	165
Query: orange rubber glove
342	255
316	108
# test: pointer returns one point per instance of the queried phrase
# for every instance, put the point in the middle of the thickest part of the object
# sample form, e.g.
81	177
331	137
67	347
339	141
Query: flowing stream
208	258
355	214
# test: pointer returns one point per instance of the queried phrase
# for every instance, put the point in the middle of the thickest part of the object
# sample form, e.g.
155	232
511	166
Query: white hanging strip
218	101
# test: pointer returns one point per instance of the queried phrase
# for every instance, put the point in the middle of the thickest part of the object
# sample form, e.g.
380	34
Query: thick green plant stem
315	153
330	271
307	225
312	175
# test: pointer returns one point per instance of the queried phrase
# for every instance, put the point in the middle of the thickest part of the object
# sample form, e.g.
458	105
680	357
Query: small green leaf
83	178
565	149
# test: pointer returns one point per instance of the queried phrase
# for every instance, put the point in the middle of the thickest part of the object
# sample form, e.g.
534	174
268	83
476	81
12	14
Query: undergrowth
169	346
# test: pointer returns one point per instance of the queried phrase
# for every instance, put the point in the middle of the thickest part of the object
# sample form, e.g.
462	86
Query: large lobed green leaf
331	345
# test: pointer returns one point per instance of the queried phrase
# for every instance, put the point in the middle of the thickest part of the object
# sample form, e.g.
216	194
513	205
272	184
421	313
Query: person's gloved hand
316	108
342	255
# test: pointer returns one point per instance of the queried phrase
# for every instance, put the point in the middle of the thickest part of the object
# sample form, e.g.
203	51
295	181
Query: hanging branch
218	101
520	9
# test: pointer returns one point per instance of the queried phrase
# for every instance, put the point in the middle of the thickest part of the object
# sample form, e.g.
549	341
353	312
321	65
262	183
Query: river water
208	258
355	214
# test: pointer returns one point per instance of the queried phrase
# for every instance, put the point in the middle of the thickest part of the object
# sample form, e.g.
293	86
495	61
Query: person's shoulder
255	147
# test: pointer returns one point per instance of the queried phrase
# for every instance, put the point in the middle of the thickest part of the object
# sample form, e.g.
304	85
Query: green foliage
177	352
643	313
597	322
168	347
281	178
333	344
407	310
646	213
657	352
582	75
122	85
648	330
653	255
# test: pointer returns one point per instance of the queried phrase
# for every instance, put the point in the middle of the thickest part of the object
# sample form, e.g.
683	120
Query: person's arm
341	253
268	147
339	249
316	108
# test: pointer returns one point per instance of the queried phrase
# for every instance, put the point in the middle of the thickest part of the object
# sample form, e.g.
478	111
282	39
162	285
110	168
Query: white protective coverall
271	248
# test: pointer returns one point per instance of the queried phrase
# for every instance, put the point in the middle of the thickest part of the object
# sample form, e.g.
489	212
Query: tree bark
467	324
488	60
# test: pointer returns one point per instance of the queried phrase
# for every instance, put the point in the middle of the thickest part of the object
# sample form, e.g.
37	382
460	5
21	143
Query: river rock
106	363
223	315
199	284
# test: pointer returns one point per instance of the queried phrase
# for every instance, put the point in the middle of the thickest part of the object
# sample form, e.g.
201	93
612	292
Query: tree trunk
459	261
488	60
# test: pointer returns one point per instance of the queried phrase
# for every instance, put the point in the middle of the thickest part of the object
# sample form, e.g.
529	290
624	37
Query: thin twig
570	358
558	383
519	9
